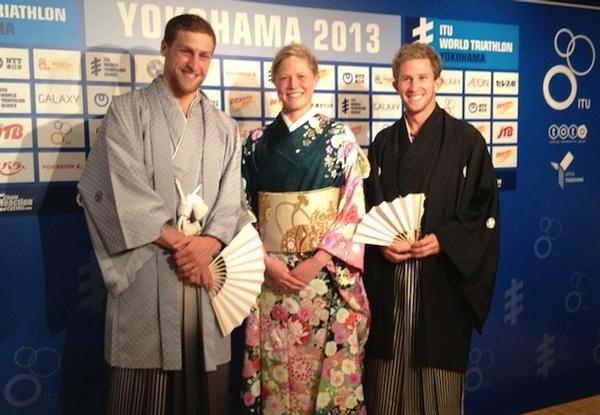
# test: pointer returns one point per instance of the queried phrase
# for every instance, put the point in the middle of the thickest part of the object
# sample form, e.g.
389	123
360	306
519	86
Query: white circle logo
567	70
41	363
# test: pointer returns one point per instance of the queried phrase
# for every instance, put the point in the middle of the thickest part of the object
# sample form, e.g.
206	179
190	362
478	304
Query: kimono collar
411	136
292	126
429	119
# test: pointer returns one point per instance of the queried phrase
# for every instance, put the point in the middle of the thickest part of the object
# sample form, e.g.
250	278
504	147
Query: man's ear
438	83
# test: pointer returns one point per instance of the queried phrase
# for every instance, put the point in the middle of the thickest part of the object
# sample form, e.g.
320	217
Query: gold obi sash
295	222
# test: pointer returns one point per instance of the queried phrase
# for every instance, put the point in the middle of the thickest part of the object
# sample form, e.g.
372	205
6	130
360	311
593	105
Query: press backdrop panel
525	75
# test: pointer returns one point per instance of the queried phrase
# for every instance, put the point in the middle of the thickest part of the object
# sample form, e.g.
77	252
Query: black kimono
449	162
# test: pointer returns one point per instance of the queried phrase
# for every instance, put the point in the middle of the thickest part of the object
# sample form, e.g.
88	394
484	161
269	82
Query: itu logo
345	105
26	388
422	32
545	358
569	71
581	285
513	306
62	129
91	288
95	66
565	176
480	360
551	230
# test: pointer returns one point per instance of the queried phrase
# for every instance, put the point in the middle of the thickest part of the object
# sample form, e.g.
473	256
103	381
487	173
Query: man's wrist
215	243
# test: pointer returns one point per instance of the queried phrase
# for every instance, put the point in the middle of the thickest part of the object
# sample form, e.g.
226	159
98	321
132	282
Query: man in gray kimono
164	348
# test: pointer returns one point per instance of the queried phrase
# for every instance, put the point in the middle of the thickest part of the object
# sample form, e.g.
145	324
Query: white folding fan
238	273
394	223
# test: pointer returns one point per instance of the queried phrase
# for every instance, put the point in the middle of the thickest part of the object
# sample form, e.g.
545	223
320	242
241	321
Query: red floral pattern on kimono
304	350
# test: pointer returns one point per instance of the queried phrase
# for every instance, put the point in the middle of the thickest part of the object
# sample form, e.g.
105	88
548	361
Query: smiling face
416	84
295	83
187	59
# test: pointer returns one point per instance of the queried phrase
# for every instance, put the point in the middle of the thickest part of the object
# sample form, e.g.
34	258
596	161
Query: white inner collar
292	126
411	136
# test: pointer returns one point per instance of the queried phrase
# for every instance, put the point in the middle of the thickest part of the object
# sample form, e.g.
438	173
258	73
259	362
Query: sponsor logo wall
524	75
59	95
481	82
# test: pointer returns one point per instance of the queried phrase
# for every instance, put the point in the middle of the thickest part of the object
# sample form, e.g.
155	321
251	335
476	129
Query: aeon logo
568	71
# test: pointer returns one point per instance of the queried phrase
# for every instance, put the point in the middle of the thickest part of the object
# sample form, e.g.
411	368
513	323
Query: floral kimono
304	350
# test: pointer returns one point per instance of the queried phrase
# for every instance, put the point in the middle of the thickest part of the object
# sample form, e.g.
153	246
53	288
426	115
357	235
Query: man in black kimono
426	299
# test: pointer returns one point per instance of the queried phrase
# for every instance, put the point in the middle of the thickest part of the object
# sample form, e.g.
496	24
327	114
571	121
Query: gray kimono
128	192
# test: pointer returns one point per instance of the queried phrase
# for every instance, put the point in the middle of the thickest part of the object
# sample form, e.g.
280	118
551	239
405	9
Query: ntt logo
567	132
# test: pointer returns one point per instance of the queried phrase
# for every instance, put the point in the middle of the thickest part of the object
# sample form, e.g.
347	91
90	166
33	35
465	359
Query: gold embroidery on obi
295	222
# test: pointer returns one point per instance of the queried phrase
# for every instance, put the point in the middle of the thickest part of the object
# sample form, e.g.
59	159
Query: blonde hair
417	51
297	50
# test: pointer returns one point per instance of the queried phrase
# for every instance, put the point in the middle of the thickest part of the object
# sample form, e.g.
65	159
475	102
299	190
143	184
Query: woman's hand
279	275
308	269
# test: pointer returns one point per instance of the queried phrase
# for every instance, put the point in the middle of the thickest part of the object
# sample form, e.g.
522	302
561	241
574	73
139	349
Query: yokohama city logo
565	176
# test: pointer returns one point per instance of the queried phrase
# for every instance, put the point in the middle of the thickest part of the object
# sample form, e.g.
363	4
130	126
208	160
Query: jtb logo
567	70
11	131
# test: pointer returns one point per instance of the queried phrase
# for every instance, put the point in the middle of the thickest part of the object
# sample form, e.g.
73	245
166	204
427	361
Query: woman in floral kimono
303	173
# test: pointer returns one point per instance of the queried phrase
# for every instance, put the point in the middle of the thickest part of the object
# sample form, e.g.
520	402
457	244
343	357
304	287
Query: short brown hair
417	51
188	23
297	50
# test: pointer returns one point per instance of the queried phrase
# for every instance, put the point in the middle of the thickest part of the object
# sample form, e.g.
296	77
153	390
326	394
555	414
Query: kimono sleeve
471	240
372	183
228	214
338	239
466	238
249	170
115	186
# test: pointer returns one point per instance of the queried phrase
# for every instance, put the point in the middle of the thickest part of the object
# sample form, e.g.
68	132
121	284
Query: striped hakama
398	386
192	391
